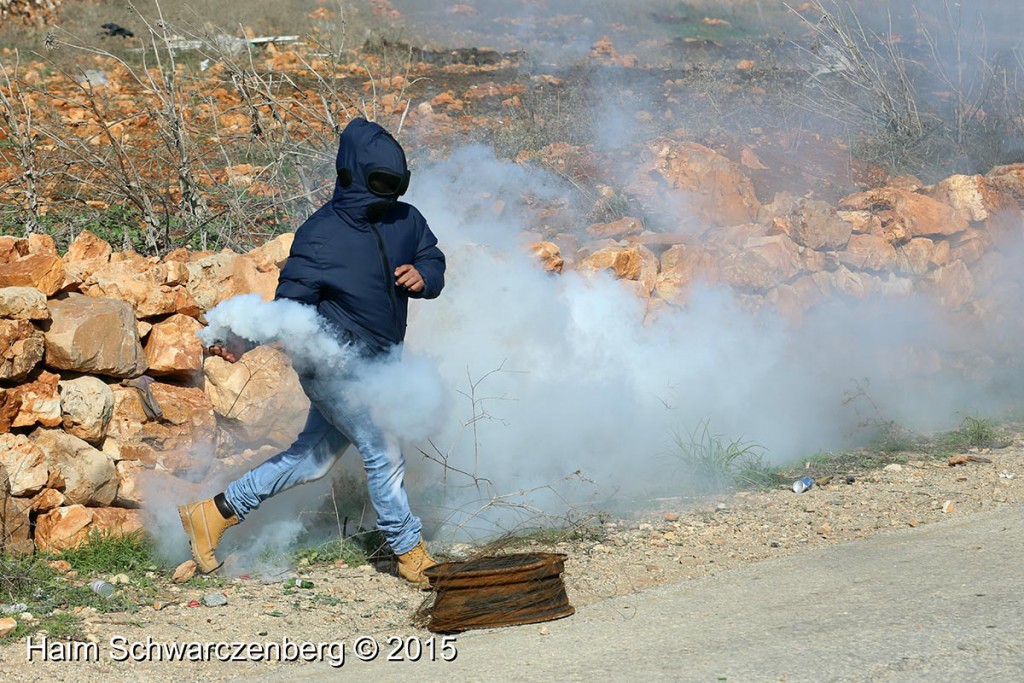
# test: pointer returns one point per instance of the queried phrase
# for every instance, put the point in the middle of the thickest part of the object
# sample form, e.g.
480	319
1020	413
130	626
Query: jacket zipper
389	278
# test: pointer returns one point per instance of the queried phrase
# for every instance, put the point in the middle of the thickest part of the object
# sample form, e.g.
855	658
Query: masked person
358	259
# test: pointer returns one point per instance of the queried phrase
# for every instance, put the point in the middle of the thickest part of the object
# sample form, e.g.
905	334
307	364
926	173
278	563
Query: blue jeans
332	425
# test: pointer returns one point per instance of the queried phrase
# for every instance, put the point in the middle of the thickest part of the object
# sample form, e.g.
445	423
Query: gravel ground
672	541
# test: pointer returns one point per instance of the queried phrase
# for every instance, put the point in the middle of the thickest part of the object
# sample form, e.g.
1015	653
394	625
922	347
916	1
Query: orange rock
763	263
89	475
90	248
68	527
21	348
45	272
869	252
617	230
47	499
260	394
24	464
10	405
951	284
273	254
917	214
1009	181
188	424
711	185
921	254
634	262
970	197
23	303
129	486
39	243
214	278
12	248
40	402
549	255
970	246
94	335
15	525
816	225
173	348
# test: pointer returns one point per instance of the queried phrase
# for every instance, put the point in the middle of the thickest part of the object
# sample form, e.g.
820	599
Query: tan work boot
412	564
204	525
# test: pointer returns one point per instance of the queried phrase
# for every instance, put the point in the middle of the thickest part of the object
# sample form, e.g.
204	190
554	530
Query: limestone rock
951	284
129	488
88	247
40	402
68	527
86	405
616	230
921	254
681	266
143	284
869	252
970	196
816	226
259	395
549	255
217	277
763	263
971	246
94	335
47	499
173	348
41	244
1008	180
25	465
21	349
903	211
633	262
10	406
710	184
273	254
23	303
15	525
188	426
12	248
45	272
125	429
89	475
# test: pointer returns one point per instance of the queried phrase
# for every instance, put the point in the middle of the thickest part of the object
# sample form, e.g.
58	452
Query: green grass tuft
713	463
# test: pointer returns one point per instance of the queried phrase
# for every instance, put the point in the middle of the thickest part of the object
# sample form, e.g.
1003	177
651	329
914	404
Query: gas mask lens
386	183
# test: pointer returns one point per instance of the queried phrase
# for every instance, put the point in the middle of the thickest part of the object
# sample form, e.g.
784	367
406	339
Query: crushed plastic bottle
298	583
802	484
101	587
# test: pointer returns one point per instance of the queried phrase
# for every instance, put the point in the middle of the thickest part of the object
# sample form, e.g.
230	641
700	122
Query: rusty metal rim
514	619
553	563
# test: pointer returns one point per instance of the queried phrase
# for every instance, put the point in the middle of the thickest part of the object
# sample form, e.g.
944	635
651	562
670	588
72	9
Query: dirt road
927	604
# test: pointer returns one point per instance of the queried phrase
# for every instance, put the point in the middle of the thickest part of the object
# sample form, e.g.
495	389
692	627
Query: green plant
111	554
891	437
352	552
712	462
973	432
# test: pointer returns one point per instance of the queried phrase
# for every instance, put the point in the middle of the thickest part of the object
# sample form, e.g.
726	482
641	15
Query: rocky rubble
103	382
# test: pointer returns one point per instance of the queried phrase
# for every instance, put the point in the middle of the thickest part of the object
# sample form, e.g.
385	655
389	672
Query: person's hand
232	350
223	352
407	276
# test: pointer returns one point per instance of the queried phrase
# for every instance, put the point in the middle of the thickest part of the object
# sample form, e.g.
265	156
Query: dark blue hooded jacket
343	263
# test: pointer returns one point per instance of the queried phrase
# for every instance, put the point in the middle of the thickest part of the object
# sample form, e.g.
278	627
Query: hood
365	147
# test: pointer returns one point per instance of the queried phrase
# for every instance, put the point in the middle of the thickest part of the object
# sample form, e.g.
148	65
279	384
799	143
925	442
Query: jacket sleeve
429	261
301	275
